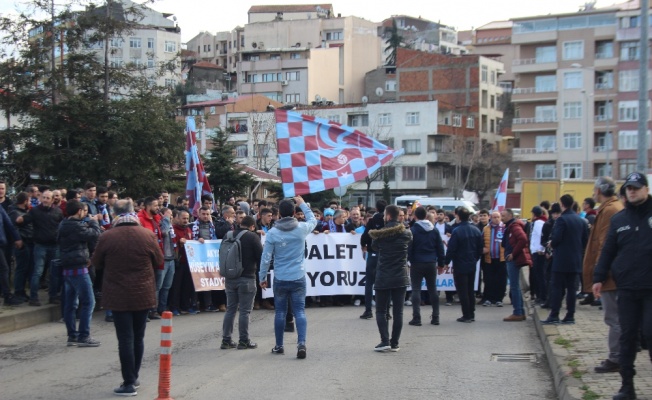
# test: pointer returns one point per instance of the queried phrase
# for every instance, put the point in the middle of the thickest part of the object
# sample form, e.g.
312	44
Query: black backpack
231	256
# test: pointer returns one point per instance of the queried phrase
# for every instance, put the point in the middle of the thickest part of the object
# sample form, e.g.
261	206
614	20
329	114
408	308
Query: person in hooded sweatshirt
424	254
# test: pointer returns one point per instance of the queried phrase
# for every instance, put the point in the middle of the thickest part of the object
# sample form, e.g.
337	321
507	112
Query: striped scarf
128	218
195	230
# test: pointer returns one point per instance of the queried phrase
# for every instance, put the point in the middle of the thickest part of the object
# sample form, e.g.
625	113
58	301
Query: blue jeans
515	287
296	292
44	254
78	289
24	266
164	278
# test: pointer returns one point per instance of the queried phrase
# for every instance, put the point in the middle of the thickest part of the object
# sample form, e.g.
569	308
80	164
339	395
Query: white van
407	201
448	204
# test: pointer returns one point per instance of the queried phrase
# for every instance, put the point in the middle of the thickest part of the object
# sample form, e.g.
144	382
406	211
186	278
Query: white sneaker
373	303
356	302
408	303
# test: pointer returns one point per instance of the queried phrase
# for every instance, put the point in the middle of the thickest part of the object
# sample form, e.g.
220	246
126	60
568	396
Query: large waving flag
501	194
196	179
315	154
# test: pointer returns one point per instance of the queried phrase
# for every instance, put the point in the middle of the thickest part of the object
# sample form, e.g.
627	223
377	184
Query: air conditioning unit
284	83
261	45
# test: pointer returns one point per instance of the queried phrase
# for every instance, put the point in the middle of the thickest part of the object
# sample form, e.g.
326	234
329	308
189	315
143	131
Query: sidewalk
574	350
23	316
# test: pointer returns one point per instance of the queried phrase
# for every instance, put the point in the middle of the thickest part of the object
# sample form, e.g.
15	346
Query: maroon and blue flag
196	178
316	154
498	204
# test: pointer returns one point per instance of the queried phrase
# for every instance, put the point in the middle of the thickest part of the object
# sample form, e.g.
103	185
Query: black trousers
130	330
418	272
464	284
383	297
634	313
182	293
538	285
495	280
560	284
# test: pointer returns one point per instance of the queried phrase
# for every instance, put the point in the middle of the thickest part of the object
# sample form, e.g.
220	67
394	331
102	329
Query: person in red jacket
517	255
183	299
150	219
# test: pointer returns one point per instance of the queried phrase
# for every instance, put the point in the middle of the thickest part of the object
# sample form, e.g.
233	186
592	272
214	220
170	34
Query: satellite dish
340	191
379	91
317	97
365	99
254	45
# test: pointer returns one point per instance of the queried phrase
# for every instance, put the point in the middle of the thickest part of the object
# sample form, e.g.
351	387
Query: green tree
226	177
82	118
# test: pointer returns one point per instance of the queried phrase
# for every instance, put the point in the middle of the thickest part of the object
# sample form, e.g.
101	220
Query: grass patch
565	343
590	395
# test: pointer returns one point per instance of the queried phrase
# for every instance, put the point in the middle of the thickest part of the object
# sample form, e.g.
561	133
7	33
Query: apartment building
267	13
301	61
576	90
423	35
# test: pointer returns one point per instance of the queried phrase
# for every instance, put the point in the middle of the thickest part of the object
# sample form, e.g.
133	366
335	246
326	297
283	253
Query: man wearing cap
627	255
604	193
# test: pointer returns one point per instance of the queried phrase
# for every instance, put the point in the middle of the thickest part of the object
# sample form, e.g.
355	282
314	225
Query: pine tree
394	42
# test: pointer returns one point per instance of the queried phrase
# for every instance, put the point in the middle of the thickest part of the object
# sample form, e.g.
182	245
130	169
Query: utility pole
642	162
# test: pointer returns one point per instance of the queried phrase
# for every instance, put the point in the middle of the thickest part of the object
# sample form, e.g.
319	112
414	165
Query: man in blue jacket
465	249
424	254
569	237
285	244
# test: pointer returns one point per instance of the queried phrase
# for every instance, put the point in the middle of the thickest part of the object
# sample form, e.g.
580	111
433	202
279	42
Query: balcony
263	65
603	121
534	124
441	156
261	87
527	65
627	34
602	149
531	94
534	154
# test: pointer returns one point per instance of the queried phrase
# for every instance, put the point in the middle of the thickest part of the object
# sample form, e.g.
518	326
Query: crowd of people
75	243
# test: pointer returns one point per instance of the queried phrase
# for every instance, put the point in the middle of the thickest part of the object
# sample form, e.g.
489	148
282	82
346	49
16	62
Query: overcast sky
195	16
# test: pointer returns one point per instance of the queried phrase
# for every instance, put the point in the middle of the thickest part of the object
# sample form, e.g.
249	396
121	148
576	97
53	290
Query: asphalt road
450	361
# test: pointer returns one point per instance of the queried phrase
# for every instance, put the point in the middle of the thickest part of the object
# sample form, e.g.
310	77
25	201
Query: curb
14	318
566	386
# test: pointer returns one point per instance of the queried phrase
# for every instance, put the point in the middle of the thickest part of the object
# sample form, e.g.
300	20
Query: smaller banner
203	260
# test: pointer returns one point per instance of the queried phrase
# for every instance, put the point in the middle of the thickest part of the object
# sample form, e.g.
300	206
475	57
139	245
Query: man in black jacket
240	292
76	234
425	253
45	219
627	256
465	249
24	255
376	222
391	245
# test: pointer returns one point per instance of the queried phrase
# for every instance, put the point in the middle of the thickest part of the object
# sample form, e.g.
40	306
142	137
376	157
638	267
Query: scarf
333	227
129	218
102	210
495	240
195	230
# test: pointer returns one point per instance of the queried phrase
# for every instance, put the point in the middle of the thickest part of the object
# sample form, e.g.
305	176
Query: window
573	50
572	140
604	80
135	43
115	62
261	150
628	140
359	120
604	49
414	173
483	75
545	171
626	167
274	56
334	118
412	118
628	111
571	170
546	144
628	80
292	76
295	56
483	99
388	142
492	102
545	114
170	46
385	119
337	35
546	54
251	78
629	22
272	77
150	63
492	76
412	146
457	120
293	98
629	51
115	42
545	83
390	85
137	62
170	83
572	110
492	126
240	151
470	122
388	172
573	80
150	43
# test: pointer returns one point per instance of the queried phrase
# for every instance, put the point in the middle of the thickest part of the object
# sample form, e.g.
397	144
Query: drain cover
520	357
